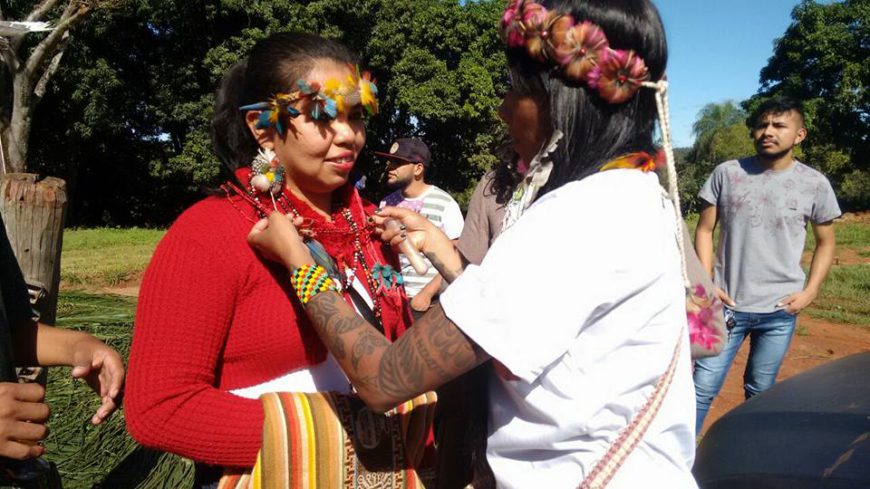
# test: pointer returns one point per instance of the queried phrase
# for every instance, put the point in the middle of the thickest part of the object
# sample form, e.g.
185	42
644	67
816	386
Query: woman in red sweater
215	327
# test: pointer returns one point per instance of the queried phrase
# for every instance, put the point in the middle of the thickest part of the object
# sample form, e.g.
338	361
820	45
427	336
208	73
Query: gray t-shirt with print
763	218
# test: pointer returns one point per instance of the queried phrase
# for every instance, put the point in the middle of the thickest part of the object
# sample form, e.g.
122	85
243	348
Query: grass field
96	259
106	257
101	456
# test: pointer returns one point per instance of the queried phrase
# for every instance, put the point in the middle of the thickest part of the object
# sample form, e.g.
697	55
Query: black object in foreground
810	431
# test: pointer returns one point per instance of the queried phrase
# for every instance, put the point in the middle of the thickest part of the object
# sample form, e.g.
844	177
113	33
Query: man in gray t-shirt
763	204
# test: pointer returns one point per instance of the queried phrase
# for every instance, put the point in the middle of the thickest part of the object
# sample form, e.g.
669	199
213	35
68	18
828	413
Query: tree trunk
34	212
19	125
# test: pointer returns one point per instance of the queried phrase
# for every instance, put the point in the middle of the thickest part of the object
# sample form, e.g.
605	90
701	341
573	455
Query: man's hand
796	302
421	302
22	420
725	298
103	369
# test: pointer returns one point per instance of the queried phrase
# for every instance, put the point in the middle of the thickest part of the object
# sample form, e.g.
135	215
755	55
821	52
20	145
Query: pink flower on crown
511	23
618	75
542	31
580	48
533	13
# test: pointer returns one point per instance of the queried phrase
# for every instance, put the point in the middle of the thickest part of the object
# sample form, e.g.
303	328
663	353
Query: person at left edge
25	342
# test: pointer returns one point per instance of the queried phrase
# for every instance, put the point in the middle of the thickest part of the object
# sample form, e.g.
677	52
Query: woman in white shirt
580	302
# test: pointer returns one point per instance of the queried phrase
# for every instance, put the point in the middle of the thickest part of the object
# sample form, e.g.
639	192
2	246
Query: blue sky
716	51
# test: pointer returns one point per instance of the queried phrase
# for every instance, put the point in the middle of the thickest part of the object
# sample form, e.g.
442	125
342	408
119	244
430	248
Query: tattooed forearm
431	353
366	344
448	274
400	374
333	322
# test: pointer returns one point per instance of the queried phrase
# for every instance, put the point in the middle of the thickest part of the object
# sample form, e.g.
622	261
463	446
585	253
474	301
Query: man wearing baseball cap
407	162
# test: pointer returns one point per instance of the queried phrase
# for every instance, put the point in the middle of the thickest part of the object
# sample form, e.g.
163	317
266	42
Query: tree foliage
822	60
30	62
126	121
720	135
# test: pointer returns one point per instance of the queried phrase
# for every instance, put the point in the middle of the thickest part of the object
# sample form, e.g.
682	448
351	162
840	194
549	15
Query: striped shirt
440	208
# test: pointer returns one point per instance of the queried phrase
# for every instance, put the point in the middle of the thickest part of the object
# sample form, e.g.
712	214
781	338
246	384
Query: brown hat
408	149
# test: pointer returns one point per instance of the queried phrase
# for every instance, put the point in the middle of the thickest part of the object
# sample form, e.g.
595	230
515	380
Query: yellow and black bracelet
310	280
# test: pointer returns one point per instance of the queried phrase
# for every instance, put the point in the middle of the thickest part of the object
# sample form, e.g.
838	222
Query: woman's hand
412	227
424	236
103	369
277	239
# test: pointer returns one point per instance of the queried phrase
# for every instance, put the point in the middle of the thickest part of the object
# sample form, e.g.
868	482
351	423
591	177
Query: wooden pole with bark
33	212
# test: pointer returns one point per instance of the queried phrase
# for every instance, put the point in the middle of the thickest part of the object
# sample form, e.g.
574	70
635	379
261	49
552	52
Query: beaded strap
621	448
310	280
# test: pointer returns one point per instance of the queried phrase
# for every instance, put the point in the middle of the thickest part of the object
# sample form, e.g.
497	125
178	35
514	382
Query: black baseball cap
408	149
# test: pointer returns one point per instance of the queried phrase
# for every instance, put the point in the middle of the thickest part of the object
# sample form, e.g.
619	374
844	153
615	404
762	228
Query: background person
762	205
407	163
25	343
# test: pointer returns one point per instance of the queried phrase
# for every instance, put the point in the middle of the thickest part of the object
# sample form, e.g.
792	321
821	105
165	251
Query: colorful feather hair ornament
321	103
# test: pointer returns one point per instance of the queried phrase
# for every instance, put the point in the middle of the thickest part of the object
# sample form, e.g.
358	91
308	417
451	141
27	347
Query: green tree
821	59
710	121
30	62
716	116
720	135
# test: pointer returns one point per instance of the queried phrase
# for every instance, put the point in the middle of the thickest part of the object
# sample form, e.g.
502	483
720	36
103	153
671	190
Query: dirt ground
818	342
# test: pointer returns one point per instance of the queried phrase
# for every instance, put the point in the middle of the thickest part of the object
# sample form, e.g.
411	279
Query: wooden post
34	211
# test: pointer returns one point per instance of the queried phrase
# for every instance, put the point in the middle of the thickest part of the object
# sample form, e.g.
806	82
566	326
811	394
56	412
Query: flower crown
580	50
322	103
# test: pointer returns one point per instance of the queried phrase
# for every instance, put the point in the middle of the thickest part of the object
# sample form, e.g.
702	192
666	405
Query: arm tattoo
449	342
366	344
449	275
326	315
429	354
434	342
400	373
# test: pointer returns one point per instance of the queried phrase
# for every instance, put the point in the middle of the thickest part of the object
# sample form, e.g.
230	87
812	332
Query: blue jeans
769	337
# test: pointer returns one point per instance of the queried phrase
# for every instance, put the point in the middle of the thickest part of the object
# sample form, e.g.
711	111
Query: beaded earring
267	173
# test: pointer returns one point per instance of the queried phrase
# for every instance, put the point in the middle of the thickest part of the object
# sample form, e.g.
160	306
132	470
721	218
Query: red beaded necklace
345	240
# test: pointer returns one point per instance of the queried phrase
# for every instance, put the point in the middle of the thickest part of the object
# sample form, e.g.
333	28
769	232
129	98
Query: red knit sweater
212	317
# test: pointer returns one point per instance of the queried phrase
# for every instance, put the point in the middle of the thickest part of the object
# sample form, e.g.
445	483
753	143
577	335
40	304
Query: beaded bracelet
310	280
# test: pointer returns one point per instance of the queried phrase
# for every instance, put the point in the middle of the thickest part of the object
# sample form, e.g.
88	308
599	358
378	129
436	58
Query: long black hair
596	131
273	66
